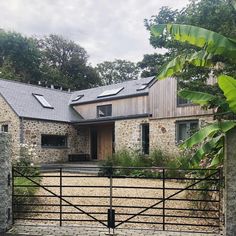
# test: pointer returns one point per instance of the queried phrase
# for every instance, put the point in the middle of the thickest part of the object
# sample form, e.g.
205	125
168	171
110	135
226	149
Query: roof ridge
35	85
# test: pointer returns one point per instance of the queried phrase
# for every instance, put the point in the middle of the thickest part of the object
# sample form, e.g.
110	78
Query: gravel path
99	196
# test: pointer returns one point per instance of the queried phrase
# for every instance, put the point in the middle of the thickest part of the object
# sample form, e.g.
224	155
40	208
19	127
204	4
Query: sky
107	29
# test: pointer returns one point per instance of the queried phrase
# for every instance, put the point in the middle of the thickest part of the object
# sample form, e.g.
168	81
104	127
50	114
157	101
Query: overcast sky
107	29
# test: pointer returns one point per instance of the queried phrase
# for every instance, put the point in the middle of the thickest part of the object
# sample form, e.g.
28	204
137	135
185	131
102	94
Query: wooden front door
104	141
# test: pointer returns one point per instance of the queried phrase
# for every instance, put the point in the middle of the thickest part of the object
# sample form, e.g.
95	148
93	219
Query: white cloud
107	29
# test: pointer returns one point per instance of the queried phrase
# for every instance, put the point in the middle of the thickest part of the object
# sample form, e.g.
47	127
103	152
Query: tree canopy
117	71
205	14
51	60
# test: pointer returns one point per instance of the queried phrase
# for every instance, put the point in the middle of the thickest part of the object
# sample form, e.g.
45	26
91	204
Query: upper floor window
4	128
42	101
184	129
110	92
104	110
181	101
59	141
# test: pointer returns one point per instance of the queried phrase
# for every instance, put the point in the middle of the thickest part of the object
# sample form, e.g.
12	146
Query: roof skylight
43	101
142	87
77	98
110	92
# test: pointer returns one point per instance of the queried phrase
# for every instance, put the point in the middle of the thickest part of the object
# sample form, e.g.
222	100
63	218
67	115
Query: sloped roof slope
21	99
130	88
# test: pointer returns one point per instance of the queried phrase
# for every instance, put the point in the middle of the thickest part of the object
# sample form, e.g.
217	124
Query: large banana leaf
196	97
228	86
208	40
200	58
207	131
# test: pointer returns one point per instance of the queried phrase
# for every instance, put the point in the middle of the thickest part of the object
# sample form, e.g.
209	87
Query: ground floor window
4	128
54	141
184	129
145	138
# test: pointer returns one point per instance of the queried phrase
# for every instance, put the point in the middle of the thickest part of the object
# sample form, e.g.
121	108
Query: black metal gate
115	197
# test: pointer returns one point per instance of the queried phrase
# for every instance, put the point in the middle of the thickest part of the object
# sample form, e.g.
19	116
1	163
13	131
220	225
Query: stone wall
33	129
9	117
230	186
5	183
163	133
83	142
128	134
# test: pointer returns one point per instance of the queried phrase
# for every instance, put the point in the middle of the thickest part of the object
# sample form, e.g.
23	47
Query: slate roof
20	97
130	89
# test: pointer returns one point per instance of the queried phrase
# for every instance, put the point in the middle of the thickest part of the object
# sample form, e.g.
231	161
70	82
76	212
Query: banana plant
210	43
209	140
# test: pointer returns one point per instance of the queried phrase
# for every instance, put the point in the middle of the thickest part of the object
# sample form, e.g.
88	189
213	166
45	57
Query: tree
205	14
152	63
19	57
211	45
117	71
64	64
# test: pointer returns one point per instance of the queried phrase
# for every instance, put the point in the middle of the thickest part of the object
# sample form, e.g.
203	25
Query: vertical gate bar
219	192
12	200
111	193
163	197
61	196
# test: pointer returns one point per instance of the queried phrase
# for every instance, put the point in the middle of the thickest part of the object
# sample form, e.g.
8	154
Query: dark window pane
54	141
182	101
184	129
145	138
4	128
103	111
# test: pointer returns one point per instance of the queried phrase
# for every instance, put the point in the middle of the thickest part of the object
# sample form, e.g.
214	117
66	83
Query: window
184	129
181	101
110	92
42	101
142	87
145	138
4	128
77	98
54	141
103	111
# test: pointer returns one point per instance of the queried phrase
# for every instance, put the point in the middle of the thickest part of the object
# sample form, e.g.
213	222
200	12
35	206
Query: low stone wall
5	183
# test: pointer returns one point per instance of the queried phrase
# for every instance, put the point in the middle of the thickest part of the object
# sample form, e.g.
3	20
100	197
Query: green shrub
24	167
157	158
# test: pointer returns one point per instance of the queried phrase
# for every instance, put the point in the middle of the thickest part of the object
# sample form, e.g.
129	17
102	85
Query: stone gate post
5	183
230	183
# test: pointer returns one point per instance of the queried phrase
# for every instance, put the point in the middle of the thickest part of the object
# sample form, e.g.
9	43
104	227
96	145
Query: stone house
91	124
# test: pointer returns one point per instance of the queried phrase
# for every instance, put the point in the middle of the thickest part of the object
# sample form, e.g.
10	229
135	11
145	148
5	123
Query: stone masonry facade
162	133
128	134
32	131
5	183
9	117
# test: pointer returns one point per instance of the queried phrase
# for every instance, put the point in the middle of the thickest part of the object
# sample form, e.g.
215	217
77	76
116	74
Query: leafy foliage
205	14
116	71
208	141
51	60
228	86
